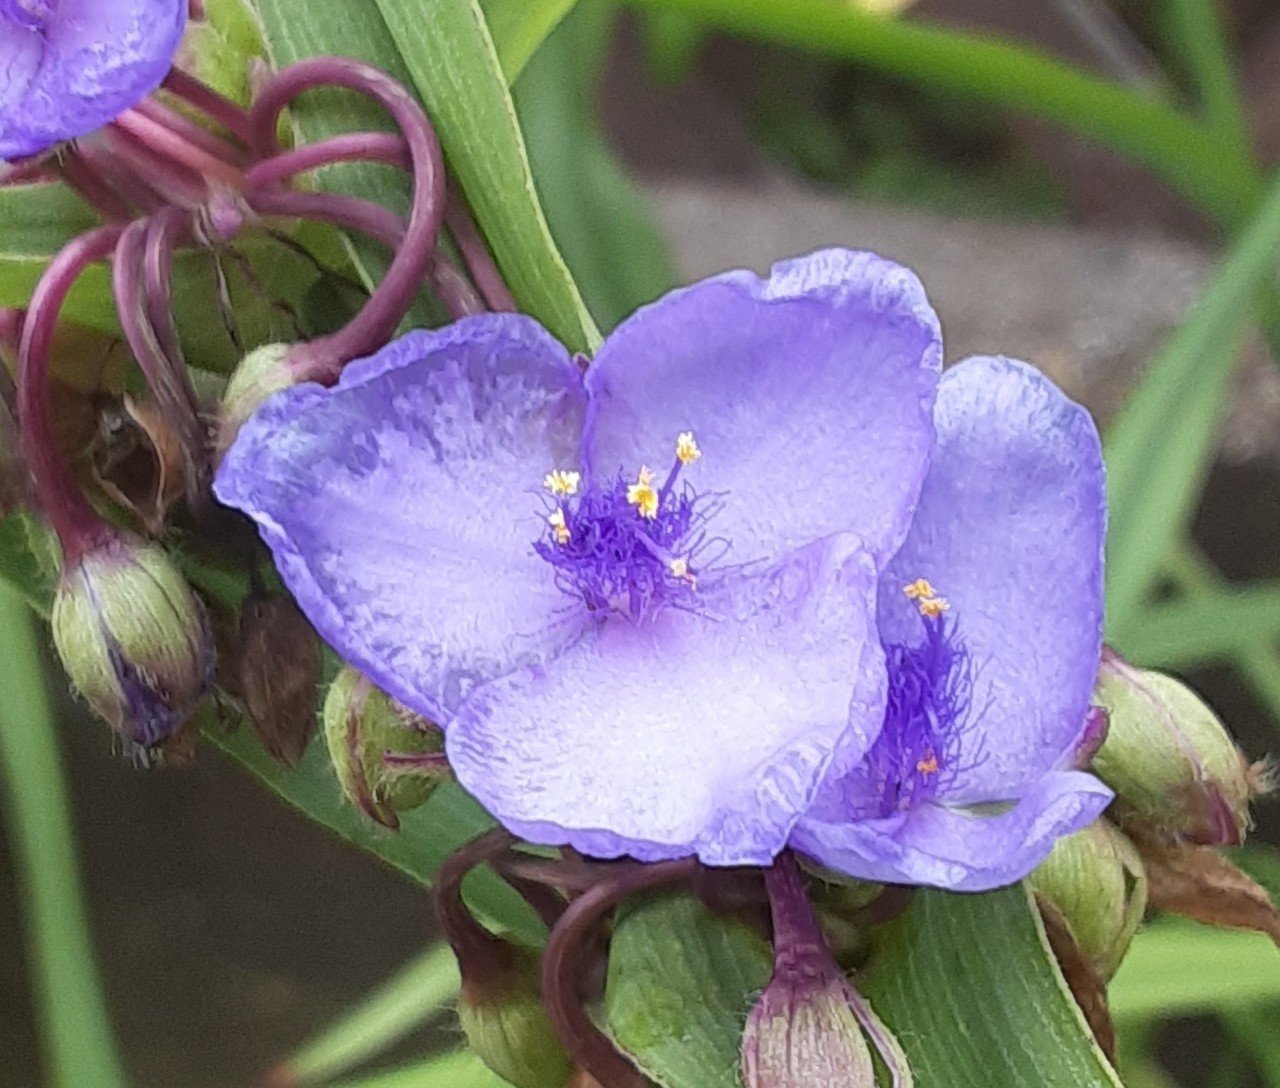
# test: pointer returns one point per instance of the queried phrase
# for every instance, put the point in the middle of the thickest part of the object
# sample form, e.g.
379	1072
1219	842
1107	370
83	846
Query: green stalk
79	1046
1197	25
1194	159
461	1069
421	989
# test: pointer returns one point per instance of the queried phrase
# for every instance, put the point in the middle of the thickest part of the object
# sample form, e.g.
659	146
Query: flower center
930	689
628	545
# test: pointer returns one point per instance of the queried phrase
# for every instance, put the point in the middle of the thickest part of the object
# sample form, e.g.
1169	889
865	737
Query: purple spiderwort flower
636	659
70	66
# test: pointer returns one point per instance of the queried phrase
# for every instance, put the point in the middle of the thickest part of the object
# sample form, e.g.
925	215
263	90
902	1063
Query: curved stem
381	147
377	320
172	145
562	969
230	115
174	182
193	134
483	958
479	261
118	174
79	173
166	374
380	224
76	523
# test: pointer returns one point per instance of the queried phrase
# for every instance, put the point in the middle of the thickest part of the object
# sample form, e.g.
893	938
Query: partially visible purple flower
969	783
641	603
70	66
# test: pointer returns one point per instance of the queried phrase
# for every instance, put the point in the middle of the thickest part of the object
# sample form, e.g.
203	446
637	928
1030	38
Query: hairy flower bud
507	1026
1175	769
134	638
261	373
1096	880
387	758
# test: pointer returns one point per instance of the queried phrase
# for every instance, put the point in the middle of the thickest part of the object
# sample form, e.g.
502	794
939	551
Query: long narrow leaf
79	1045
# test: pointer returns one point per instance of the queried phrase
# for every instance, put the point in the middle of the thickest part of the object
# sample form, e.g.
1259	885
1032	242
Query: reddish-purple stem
376	222
188	130
175	183
795	926
230	115
562	969
172	145
479	261
381	147
93	187
116	172
376	322
166	374
76	523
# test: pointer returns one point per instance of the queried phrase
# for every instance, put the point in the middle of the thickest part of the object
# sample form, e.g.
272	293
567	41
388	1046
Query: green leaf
518	27
28	559
599	219
75	1029
681	981
1158	450
447	49
426	837
416	993
1213	626
1177	968
968	985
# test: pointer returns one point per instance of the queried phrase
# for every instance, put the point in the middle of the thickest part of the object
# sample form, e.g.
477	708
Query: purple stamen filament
622	547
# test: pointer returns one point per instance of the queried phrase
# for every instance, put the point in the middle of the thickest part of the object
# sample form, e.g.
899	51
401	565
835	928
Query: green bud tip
134	638
262	373
387	758
507	1025
1175	769
1098	883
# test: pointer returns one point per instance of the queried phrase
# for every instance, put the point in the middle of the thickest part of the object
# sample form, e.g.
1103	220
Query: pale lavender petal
401	505
1010	530
948	847
68	67
809	392
690	734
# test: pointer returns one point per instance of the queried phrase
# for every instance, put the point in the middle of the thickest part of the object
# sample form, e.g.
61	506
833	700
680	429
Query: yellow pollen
687	449
679	567
560	482
919	588
558	528
643	495
933	607
928	765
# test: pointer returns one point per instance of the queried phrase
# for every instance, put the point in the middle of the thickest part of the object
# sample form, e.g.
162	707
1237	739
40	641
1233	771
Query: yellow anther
560	482
558	528
643	495
933	607
687	449
679	568
921	587
928	765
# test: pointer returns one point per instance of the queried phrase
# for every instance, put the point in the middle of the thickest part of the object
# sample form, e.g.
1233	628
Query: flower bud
134	638
507	1026
803	1032
1096	880
1175	769
262	373
387	758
